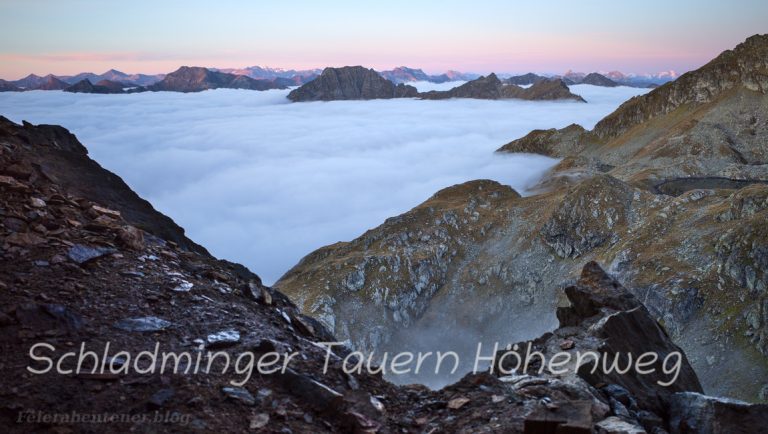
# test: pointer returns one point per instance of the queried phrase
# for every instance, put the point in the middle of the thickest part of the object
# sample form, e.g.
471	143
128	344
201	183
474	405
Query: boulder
700	414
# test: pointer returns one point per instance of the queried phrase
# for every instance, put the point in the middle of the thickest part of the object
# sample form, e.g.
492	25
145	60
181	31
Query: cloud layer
262	181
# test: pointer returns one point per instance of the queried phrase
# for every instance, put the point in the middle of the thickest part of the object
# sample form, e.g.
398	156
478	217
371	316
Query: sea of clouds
262	181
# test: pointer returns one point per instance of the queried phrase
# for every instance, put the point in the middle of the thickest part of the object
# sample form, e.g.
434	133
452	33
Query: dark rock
649	421
161	397
310	327
700	414
573	418
320	396
197	79
619	393
259	293
48	317
6	320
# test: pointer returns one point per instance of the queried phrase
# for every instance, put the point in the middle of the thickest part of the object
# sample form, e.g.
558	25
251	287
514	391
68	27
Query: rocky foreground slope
83	269
669	191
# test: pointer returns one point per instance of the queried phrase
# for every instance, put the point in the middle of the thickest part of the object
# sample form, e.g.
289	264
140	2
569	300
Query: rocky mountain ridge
350	83
360	83
403	74
86	260
668	191
77	268
197	79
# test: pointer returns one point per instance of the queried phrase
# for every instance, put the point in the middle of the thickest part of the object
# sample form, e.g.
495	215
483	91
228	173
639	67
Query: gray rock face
81	254
606	319
694	413
350	83
143	324
589	217
552	142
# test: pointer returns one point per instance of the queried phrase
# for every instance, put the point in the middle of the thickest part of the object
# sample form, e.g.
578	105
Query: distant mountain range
296	77
114	81
403	74
360	83
609	79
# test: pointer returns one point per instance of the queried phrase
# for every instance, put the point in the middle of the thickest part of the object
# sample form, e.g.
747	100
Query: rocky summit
525	79
669	191
491	87
350	83
197	79
97	269
596	79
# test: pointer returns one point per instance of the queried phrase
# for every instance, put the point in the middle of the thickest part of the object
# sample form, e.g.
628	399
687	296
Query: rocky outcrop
7	86
491	87
604	319
104	86
61	158
350	83
696	413
552	142
197	79
50	82
525	79
596	79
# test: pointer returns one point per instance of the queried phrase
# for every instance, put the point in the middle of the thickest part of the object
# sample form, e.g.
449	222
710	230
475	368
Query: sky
71	36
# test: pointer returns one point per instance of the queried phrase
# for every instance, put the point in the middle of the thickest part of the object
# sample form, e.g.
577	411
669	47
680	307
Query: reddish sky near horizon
67	37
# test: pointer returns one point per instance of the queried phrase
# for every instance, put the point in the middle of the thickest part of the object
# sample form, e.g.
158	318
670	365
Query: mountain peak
350	83
744	66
